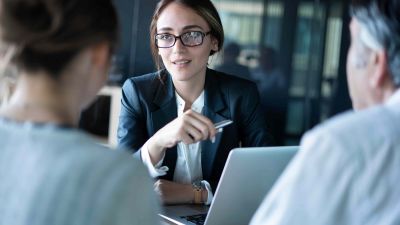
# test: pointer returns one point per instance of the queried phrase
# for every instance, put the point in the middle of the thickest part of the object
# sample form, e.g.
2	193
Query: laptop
248	175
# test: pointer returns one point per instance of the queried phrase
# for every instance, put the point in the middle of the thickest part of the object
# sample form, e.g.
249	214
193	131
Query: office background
310	39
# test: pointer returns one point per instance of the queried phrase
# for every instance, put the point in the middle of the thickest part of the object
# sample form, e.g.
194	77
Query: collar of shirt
197	105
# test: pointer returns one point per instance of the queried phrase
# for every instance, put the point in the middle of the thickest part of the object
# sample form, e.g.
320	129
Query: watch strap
197	191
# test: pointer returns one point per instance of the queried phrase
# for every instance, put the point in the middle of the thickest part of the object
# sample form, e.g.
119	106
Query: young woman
50	172
168	117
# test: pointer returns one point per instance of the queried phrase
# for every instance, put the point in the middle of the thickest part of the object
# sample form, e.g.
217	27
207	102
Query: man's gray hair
381	20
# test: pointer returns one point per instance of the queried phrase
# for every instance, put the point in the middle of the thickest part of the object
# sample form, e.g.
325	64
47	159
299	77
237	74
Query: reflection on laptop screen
248	175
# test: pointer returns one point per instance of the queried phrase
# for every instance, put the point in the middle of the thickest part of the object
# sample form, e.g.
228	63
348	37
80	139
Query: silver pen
222	124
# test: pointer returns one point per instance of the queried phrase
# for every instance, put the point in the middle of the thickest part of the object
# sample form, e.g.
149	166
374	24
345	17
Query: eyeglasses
188	39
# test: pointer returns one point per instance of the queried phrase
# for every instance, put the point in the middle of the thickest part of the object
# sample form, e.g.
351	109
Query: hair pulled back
47	34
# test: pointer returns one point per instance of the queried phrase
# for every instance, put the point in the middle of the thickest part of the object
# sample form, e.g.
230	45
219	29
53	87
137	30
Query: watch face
197	188
198	184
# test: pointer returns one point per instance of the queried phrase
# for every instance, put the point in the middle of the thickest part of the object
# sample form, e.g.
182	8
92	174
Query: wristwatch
197	191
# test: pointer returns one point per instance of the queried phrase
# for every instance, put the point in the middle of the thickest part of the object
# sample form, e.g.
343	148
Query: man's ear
101	55
380	73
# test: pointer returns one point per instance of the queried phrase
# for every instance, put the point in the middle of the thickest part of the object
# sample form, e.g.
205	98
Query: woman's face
182	62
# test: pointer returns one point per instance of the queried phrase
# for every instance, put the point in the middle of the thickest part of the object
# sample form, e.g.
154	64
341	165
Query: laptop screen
248	175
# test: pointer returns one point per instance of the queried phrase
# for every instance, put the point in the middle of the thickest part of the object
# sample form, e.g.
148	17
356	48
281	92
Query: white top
59	176
346	172
188	164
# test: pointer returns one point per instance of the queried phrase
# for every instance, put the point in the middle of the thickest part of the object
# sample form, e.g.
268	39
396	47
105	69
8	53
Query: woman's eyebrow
188	27
163	29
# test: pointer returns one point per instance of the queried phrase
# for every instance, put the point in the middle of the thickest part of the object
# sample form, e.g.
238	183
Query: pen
222	124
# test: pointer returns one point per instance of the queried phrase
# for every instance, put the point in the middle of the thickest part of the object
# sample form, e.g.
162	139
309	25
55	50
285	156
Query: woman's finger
202	123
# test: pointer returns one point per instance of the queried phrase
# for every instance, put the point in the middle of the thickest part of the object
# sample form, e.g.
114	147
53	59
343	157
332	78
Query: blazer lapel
165	113
213	106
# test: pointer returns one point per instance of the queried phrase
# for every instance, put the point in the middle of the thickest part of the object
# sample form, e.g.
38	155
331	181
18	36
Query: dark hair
381	18
204	8
47	34
268	57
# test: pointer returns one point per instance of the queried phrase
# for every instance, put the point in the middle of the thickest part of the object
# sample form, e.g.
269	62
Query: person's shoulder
115	175
104	161
70	150
84	149
354	128
355	120
145	78
232	80
146	85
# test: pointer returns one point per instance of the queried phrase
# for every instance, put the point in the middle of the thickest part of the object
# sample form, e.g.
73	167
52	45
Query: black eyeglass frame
203	35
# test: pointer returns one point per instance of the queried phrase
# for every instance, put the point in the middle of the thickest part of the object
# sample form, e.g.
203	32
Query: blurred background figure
230	63
273	88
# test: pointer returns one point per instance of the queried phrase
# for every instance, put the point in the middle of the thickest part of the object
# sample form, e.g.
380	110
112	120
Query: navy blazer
149	103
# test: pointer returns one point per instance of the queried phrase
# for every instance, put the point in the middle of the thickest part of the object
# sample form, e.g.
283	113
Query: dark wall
133	55
341	99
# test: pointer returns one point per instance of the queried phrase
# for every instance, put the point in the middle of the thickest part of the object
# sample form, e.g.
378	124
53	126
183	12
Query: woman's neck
190	90
39	98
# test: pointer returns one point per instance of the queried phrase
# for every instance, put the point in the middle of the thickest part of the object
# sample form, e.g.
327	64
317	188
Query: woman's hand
174	193
189	128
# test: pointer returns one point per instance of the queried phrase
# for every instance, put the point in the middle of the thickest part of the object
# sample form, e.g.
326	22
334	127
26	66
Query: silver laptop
248	175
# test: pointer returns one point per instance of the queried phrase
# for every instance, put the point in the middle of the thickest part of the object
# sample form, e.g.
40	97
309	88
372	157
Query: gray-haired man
348	169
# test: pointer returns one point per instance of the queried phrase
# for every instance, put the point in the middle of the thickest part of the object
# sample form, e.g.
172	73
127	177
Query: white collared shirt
188	164
346	172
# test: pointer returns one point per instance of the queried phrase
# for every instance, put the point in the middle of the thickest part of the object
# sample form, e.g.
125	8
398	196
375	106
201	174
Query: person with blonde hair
50	172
